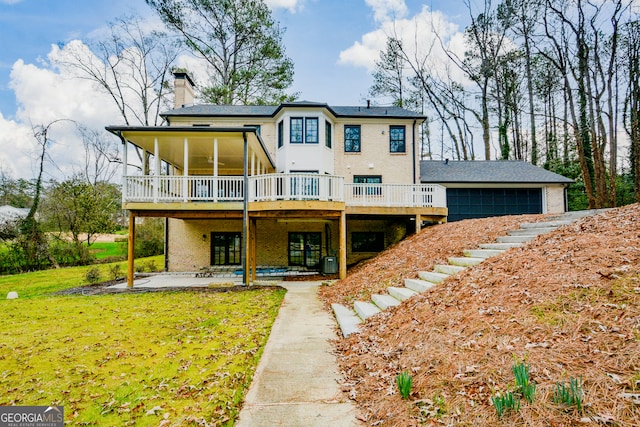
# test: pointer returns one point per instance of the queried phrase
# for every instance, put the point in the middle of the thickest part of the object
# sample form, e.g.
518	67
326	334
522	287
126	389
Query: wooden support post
254	252
418	223
131	249
342	262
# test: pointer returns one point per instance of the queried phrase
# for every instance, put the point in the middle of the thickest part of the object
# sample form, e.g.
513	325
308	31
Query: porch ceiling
200	145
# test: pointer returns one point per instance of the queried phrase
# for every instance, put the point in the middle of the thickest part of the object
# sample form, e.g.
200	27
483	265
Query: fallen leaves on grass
170	358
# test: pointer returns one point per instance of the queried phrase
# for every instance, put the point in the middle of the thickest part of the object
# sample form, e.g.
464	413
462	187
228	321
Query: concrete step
365	309
514	239
418	285
448	269
347	319
432	276
546	224
531	231
401	293
465	261
501	246
384	301
482	253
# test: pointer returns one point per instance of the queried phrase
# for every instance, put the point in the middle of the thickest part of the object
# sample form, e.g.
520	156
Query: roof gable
483	171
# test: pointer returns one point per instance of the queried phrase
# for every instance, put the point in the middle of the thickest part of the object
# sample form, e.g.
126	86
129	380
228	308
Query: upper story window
303	130
352	138
327	134
311	130
397	141
280	134
295	132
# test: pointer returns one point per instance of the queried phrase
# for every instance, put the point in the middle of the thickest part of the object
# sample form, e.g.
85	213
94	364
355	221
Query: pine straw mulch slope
419	253
568	304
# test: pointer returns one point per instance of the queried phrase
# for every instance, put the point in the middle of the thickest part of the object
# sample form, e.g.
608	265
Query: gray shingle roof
211	110
497	171
223	110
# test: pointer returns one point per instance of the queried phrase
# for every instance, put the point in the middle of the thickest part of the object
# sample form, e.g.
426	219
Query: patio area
215	275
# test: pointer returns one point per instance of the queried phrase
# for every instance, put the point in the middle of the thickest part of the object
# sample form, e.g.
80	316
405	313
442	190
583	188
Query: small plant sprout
570	395
404	381
505	402
523	382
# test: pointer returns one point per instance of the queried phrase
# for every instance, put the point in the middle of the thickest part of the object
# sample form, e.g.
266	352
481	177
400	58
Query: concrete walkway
295	383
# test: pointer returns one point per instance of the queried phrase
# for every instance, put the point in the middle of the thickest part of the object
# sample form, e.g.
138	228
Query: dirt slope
568	304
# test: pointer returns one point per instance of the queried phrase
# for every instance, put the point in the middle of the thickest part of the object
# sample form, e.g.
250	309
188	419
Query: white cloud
291	5
16	148
386	10
44	94
422	35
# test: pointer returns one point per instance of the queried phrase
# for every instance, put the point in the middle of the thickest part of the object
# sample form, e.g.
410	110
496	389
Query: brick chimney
183	89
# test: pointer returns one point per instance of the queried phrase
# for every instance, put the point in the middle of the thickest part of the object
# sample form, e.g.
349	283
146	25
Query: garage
480	189
465	203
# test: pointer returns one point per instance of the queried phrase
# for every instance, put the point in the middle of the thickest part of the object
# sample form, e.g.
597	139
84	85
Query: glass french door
305	249
226	248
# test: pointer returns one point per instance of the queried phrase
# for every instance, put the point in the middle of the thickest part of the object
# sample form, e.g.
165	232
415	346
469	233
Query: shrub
114	271
93	275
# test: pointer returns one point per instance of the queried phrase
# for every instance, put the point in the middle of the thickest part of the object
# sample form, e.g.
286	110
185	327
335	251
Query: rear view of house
300	184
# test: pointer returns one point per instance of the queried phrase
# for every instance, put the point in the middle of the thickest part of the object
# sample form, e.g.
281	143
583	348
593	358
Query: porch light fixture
370	165
204	237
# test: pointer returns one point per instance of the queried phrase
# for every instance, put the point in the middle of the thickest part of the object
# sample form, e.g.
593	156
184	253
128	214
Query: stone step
347	319
448	269
530	231
546	224
515	239
365	309
465	261
501	246
482	253
432	276
418	285
384	301
401	294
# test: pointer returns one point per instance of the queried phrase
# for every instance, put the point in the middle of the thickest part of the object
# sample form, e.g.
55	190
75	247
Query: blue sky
332	43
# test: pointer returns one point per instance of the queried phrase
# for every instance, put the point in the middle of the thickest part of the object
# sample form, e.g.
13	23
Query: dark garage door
464	203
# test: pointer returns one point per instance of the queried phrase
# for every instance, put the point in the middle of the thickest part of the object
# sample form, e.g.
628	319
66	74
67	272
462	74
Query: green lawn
102	250
39	283
178	358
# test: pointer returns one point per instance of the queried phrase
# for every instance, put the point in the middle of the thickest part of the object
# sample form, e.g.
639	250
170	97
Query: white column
156	172
215	156
185	172
253	163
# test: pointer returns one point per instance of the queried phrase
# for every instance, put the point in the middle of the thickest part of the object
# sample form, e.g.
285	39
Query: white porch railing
298	186
271	187
395	195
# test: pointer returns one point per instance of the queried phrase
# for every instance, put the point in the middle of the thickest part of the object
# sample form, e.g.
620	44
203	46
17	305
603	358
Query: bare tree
100	156
631	115
133	66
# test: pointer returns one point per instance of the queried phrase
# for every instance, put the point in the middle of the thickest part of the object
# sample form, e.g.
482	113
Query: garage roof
484	171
